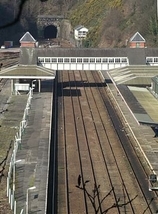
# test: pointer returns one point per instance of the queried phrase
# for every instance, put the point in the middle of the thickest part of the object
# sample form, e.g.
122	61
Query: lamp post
32	84
27	198
32	87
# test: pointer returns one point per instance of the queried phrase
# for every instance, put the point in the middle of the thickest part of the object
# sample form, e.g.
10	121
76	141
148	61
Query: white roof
137	37
80	27
27	37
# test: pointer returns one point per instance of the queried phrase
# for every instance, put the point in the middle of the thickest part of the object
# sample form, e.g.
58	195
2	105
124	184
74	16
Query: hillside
110	22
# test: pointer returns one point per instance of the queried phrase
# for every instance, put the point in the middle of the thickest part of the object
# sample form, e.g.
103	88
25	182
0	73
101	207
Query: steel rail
111	147
106	165
134	161
77	139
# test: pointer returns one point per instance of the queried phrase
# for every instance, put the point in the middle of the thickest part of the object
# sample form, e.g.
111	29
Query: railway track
8	59
94	171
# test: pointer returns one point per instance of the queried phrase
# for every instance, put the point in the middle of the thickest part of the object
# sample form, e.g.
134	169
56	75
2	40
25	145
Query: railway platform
144	135
33	157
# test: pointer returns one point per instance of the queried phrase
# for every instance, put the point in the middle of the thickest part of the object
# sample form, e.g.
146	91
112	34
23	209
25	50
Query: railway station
129	73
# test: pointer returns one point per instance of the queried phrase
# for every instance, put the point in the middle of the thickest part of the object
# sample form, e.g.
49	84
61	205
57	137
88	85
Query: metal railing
17	144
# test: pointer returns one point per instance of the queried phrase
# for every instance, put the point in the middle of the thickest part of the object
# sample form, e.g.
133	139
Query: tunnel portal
50	32
49	26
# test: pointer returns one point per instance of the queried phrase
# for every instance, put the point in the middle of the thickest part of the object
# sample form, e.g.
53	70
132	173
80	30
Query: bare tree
95	194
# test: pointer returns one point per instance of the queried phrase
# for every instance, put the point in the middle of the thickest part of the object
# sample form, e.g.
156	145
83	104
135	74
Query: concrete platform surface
33	156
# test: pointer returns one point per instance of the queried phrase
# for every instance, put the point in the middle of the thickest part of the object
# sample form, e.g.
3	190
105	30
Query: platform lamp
33	84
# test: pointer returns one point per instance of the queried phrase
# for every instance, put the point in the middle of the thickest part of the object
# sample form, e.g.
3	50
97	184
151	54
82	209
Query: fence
17	144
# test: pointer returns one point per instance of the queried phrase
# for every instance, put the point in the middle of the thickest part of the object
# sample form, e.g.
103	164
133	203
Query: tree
153	26
95	194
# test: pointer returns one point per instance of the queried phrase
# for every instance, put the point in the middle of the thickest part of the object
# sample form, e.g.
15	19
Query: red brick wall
137	44
27	44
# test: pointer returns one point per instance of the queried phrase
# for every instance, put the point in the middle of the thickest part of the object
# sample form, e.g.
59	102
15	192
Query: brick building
27	41
137	41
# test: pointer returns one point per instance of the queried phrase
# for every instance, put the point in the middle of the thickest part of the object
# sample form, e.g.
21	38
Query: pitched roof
133	75
137	37
79	27
27	37
27	72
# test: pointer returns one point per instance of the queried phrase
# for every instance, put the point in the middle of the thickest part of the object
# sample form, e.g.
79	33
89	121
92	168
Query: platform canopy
27	72
133	75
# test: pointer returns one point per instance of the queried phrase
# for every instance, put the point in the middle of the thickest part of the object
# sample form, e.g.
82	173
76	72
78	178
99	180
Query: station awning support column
39	85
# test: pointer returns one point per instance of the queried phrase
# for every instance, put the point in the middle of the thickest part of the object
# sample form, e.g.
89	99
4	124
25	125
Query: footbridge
42	63
88	58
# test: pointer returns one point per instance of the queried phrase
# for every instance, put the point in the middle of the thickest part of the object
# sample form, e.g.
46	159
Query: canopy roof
133	75
27	72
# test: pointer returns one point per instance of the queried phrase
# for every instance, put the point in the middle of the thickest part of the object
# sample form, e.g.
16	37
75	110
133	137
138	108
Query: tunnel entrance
50	32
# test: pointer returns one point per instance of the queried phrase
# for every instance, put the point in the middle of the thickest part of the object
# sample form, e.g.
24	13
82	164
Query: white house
80	32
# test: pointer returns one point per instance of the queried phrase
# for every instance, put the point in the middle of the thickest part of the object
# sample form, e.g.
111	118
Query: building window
124	60
105	60
47	59
111	60
85	60
155	59
73	60
40	59
149	60
117	60
60	59
92	59
98	60
54	59
66	60
79	59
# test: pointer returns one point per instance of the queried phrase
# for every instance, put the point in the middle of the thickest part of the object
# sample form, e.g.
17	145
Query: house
137	41
28	41
80	32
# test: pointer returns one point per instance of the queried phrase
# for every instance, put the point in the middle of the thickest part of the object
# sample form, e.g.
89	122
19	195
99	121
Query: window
60	59
79	59
117	60
111	60
155	59
85	60
40	59
105	60
47	59
149	60
92	59
66	60
98	60
54	59
73	60
124	60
